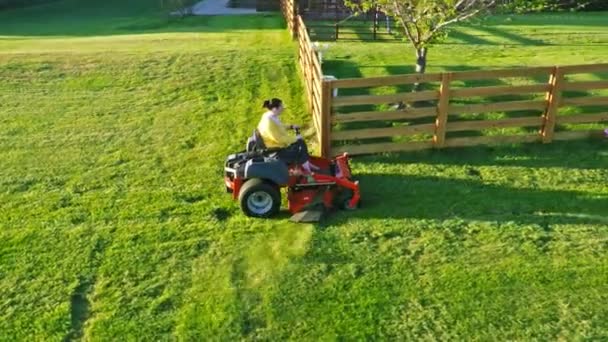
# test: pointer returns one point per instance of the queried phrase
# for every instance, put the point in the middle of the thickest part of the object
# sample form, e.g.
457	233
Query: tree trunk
420	64
420	68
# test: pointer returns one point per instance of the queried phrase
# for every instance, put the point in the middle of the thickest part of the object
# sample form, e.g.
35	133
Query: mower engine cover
267	168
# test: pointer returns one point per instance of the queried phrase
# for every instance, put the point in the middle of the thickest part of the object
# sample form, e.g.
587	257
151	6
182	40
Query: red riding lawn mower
255	176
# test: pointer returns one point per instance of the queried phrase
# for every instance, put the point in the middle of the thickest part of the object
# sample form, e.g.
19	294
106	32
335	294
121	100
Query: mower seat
255	143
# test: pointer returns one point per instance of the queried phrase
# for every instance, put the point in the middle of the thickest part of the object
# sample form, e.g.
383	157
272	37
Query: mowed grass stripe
114	222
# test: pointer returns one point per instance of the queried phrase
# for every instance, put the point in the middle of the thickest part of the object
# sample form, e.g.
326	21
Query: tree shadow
407	88
596	19
467	38
321	30
515	38
404	70
489	31
343	68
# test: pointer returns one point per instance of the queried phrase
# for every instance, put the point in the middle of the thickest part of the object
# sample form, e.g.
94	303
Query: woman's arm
275	135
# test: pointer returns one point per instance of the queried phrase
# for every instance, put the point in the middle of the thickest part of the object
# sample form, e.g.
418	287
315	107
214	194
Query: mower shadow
467	196
394	196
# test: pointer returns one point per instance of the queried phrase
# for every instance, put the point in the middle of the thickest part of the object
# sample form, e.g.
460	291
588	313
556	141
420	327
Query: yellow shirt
274	133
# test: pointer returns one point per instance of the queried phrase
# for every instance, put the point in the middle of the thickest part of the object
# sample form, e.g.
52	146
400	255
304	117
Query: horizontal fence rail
452	115
318	92
430	117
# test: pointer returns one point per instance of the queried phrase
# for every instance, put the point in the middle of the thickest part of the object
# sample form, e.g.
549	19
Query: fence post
442	110
308	70
326	118
554	99
294	19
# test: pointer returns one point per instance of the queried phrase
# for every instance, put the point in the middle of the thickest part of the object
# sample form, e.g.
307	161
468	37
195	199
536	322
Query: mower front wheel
258	198
346	205
344	201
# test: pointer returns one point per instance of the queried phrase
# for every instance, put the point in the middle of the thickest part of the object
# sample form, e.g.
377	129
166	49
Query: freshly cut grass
114	223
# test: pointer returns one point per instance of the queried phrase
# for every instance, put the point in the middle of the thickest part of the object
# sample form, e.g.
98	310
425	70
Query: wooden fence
443	105
333	20
289	10
318	92
449	116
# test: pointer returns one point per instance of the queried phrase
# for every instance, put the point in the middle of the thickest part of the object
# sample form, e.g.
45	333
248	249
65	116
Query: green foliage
180	7
591	5
4	4
526	6
425	21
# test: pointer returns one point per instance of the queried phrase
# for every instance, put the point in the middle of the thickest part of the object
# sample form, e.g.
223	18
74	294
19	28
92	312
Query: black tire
267	200
346	205
344	200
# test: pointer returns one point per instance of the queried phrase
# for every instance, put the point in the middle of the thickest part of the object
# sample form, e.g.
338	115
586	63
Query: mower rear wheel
258	198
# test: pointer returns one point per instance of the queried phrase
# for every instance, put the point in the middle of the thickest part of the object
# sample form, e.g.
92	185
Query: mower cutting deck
254	177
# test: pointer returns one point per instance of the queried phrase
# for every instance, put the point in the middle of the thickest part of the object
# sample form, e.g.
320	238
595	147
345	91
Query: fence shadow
398	196
576	154
389	195
510	38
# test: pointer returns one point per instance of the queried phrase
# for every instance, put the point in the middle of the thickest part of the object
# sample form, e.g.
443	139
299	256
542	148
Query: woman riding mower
274	134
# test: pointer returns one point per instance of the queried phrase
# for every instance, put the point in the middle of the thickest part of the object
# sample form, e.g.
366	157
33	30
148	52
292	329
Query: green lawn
114	224
495	43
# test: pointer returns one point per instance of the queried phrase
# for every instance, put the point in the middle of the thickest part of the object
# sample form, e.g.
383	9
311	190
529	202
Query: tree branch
406	28
415	23
465	15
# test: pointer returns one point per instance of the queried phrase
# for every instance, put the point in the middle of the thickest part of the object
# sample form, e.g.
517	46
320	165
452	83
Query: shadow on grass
492	31
404	70
404	196
510	36
346	69
342	68
576	154
394	196
588	19
97	18
469	39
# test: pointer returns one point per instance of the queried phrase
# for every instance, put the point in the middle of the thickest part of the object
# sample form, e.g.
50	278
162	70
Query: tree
526	6
181	8
424	21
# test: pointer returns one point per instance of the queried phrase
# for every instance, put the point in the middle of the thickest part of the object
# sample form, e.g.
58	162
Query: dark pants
296	153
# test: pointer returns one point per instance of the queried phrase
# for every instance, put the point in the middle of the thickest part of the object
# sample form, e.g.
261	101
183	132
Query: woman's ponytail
274	103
